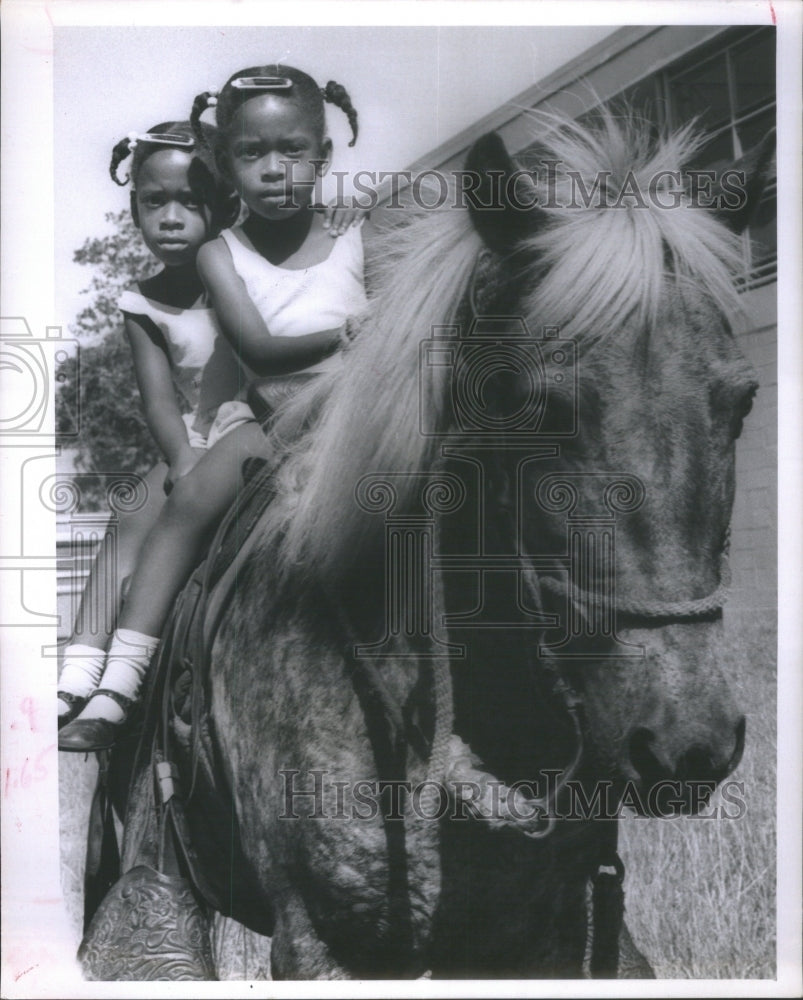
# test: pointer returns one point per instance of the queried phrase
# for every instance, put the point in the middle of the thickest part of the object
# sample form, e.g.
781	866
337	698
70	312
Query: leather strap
102	851
608	908
176	855
124	702
70	699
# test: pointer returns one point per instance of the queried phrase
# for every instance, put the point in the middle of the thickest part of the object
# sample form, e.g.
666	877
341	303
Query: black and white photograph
401	481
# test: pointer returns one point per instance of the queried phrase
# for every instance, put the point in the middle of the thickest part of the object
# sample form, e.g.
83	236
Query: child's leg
85	655
172	550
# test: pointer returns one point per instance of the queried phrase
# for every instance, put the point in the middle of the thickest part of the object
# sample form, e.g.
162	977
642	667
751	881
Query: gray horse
487	591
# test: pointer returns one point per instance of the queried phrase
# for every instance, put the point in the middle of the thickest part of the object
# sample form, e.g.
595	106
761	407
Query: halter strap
700	607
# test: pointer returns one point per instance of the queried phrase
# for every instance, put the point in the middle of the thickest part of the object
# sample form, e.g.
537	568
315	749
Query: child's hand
339	215
184	462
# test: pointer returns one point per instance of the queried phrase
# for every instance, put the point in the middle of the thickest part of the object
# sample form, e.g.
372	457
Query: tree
97	391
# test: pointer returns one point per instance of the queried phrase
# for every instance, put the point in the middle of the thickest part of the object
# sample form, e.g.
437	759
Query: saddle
173	738
190	784
176	742
165	893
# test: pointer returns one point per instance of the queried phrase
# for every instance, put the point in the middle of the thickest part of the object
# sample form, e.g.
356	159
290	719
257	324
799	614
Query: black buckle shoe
76	704
86	735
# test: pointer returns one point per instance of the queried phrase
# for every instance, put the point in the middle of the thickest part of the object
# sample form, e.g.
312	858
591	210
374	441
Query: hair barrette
211	99
169	139
133	138
262	83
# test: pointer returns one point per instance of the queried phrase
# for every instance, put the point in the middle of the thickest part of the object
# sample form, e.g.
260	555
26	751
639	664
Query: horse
488	585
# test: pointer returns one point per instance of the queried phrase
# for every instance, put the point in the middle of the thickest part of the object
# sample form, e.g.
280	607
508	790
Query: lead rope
443	699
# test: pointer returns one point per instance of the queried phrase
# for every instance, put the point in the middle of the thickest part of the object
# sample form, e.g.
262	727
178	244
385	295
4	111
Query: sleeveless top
295	302
205	370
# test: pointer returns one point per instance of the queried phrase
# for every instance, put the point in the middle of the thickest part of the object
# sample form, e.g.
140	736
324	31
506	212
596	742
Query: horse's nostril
736	756
642	756
696	765
699	763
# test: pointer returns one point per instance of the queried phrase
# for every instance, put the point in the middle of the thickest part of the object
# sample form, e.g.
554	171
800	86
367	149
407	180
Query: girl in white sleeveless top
284	294
204	369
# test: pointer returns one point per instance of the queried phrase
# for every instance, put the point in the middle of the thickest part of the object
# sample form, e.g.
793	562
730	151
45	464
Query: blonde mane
607	266
596	268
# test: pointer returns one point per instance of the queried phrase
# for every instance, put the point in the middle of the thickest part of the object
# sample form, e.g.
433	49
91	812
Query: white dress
296	302
205	370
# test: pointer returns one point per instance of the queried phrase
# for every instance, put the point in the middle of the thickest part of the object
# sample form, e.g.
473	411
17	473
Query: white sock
127	663
80	672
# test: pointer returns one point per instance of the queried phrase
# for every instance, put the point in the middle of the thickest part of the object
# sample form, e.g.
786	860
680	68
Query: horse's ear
755	166
503	200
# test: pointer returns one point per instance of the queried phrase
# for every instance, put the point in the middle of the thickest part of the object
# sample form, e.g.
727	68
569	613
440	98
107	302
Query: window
730	88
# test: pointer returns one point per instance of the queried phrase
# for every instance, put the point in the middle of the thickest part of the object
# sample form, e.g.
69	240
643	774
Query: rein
501	807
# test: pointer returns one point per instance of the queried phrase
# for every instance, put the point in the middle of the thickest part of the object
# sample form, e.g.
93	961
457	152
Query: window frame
662	107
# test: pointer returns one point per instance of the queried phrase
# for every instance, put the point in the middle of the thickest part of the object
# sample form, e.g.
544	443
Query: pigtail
336	93
227	208
208	99
119	153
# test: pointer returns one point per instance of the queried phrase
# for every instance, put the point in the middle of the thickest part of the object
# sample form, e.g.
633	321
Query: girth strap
176	854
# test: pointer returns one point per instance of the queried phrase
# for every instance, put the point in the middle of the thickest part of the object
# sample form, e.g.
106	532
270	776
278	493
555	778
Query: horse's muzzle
684	786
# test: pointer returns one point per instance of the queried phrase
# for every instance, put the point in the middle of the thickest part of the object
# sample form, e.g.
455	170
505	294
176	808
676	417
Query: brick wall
754	526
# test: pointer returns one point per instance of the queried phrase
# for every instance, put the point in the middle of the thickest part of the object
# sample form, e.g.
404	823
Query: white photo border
36	960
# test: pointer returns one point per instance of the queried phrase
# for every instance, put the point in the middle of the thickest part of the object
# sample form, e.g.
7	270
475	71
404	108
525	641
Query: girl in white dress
284	294
178	202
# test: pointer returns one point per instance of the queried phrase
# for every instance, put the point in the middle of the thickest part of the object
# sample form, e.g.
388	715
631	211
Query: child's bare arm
162	413
245	329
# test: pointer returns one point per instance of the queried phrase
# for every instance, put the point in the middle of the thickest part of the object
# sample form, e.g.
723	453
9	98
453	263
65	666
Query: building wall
755	513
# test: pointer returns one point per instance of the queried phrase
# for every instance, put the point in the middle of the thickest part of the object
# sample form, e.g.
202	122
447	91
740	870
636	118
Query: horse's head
642	394
617	385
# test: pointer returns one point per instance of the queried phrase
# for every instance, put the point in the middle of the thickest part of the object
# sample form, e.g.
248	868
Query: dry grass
700	893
